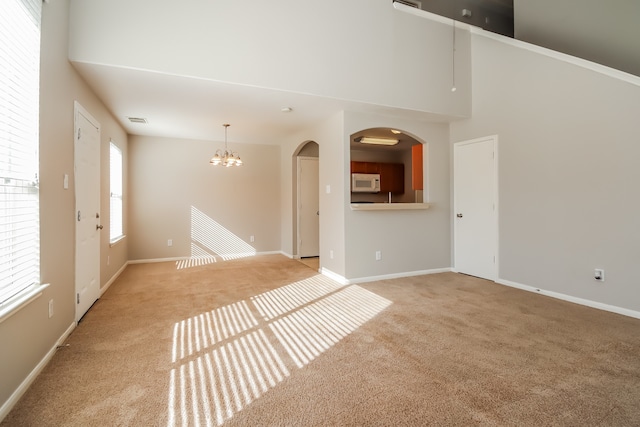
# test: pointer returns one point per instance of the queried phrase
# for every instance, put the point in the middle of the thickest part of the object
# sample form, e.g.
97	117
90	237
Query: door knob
99	227
459	215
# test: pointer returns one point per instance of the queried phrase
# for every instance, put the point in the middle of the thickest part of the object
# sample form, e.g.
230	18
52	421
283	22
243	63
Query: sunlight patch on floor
273	303
308	332
225	359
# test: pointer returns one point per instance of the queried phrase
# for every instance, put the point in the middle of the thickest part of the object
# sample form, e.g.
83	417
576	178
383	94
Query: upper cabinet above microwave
391	174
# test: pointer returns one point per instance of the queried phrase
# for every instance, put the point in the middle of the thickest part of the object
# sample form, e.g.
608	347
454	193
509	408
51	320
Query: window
19	121
115	200
398	157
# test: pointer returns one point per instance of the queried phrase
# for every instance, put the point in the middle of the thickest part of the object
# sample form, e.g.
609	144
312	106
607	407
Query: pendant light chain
453	59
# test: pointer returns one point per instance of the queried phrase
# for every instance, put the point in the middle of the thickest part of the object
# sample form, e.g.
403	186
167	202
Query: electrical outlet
331	254
108	260
598	274
169	242
50	308
378	255
252	239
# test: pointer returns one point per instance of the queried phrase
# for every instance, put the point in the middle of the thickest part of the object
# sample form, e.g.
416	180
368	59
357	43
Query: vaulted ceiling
603	32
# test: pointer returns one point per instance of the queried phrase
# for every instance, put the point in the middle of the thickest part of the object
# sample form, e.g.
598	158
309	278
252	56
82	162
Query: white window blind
19	113
115	203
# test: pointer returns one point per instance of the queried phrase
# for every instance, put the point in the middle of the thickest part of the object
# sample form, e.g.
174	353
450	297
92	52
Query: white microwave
365	182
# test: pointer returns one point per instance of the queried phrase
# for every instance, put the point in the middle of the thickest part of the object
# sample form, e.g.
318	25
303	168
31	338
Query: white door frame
298	199
494	139
91	293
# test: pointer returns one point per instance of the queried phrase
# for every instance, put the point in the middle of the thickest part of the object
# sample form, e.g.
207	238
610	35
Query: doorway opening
306	206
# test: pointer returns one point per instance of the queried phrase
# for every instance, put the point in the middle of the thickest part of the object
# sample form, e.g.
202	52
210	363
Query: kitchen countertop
388	206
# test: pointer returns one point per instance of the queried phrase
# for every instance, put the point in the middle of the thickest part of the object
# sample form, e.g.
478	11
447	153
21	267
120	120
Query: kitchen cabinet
392	178
391	174
365	167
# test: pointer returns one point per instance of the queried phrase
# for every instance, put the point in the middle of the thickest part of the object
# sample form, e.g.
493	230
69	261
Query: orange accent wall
416	167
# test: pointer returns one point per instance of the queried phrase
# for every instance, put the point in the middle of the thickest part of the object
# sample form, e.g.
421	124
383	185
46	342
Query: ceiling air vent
411	3
137	120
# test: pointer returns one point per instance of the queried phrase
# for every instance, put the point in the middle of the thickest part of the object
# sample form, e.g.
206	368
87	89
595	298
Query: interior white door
308	207
475	207
88	225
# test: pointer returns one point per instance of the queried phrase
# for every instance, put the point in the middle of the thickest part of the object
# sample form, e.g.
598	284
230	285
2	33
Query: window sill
116	240
21	300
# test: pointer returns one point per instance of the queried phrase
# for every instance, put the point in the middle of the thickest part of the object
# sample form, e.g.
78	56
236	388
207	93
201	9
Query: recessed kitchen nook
386	170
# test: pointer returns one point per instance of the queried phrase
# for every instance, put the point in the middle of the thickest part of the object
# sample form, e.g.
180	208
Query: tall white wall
328	134
358	50
568	169
410	241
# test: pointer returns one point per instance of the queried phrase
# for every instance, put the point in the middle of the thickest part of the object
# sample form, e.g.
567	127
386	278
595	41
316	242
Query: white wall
410	241
359	50
568	169
334	185
169	177
329	137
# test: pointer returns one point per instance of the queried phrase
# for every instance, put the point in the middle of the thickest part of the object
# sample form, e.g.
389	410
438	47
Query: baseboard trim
334	276
569	298
113	279
344	281
399	275
274	253
290	256
153	260
24	386
184	258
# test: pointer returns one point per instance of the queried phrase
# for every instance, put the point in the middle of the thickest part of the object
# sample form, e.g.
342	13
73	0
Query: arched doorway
306	201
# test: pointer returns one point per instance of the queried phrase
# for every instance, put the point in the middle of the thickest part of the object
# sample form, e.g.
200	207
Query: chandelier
228	158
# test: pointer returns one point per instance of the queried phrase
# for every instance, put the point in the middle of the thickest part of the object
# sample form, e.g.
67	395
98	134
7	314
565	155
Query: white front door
308	207
475	207
87	215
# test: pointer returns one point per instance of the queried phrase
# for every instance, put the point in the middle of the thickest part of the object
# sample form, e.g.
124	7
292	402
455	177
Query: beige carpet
311	262
267	342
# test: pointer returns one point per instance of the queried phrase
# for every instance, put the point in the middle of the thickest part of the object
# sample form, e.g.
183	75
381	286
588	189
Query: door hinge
78	298
78	215
79	129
